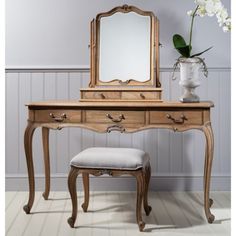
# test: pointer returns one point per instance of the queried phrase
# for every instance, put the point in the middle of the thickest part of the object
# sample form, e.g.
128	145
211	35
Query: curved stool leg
147	175
140	179
86	191
72	189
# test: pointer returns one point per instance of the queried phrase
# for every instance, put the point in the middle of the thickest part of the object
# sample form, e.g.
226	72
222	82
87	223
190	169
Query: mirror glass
125	47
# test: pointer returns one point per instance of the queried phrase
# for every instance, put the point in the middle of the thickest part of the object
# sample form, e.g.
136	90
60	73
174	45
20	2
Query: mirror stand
124	56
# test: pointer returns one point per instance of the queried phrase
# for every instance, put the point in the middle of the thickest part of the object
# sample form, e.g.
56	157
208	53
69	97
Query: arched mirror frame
154	50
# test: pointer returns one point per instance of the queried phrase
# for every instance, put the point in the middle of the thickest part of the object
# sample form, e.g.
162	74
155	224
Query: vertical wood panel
74	133
199	147
188	154
137	140
87	136
213	92
176	138
24	97
150	146
12	127
50	93
163	136
113	139
224	125
38	95
126	140
62	136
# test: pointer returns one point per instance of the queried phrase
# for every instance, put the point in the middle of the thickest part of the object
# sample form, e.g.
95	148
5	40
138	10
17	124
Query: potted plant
189	63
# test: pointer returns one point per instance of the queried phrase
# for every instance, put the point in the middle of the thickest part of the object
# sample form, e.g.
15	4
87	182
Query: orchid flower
203	8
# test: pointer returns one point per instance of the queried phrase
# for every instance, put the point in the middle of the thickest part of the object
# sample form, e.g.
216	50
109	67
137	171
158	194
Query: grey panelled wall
174	156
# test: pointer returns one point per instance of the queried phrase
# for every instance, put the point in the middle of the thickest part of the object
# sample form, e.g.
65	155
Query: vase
189	78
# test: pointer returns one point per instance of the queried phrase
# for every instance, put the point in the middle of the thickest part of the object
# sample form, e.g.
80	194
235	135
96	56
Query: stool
115	162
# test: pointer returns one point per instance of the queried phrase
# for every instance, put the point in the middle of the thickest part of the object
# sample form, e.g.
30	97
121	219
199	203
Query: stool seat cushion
111	158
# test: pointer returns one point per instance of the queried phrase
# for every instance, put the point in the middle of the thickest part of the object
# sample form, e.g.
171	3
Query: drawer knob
60	118
177	121
120	118
142	96
102	95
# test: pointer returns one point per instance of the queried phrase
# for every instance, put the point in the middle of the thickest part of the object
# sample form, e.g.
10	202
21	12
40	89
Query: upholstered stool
115	162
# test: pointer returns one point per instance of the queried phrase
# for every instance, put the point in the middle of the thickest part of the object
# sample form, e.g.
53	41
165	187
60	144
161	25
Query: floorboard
114	214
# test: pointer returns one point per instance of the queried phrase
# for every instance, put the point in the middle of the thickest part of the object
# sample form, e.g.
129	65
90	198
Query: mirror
125	44
123	48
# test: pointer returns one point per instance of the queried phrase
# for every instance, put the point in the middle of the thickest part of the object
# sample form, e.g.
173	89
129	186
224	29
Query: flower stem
191	29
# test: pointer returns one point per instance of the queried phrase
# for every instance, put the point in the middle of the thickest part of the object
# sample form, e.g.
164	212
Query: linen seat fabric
111	158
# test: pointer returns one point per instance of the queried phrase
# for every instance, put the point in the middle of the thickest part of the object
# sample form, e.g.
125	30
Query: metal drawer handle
115	128
121	117
177	121
60	118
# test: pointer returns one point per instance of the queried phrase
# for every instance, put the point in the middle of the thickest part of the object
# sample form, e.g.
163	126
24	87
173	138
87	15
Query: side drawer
141	95
176	117
100	95
124	117
58	116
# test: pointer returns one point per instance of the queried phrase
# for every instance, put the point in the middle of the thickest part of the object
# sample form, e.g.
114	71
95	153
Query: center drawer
124	117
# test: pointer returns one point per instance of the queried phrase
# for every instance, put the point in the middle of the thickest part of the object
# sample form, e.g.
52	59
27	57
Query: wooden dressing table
119	116
123	106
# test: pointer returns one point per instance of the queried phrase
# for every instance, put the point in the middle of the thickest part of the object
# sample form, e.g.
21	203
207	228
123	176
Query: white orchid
204	7
211	8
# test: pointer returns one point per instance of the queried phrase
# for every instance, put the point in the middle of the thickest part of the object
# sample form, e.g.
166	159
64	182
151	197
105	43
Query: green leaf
200	53
181	46
184	51
179	41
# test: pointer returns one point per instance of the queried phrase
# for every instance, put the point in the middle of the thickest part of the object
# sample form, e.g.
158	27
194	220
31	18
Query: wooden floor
113	214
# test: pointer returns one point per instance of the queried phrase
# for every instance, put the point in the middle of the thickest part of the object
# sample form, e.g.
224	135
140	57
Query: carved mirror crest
125	48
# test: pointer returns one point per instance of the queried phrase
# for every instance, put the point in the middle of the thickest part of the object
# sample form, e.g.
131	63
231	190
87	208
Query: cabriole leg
28	137
207	129
45	137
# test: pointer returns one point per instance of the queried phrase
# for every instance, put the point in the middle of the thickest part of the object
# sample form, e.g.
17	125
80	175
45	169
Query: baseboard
106	183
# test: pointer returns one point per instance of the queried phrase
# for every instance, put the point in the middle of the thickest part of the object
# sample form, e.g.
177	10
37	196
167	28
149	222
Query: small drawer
176	117
58	116
124	117
100	95
152	95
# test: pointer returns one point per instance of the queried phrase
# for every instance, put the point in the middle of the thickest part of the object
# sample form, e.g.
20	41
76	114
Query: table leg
45	137
28	137
207	129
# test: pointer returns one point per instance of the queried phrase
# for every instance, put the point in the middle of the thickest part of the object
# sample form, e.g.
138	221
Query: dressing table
124	94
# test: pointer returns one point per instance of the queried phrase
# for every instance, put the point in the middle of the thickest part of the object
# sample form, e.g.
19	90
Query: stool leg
72	189
147	175
139	178
86	191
